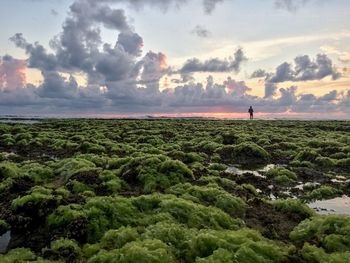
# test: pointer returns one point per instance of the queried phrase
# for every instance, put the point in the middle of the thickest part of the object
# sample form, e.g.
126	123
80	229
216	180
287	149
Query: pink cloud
12	72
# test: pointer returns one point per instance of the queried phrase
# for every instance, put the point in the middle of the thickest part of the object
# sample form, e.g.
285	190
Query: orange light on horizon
222	115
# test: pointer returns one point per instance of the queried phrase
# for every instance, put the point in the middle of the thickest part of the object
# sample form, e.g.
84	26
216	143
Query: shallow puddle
339	206
238	171
4	241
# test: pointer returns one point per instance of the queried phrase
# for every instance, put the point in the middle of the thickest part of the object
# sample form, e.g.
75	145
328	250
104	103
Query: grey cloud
77	47
201	31
310	103
185	77
196	96
125	97
236	88
290	5
260	73
88	12
284	72
149	70
270	89
114	64
153	67
215	64
288	96
294	5
19	97
331	96
208	5
345	102
131	42
38	56
113	19
305	69
55	86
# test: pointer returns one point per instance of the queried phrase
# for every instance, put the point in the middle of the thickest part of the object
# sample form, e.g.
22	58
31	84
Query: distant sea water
19	121
28	119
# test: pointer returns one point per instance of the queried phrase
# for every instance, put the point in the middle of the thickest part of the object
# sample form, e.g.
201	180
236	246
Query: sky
211	58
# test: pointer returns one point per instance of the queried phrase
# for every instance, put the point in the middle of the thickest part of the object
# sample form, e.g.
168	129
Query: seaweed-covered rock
146	251
198	216
114	239
8	169
64	250
38	203
244	153
307	155
176	236
37	172
69	221
330	232
210	195
68	167
293	206
314	254
344	163
323	192
155	172
88	147
329	235
325	162
282	176
241	246
3	226
18	255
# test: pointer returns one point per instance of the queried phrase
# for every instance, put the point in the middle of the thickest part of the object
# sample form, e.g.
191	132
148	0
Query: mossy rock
145	251
293	206
246	153
63	250
4	227
282	176
307	155
323	192
331	233
8	169
39	202
312	253
155	172
114	239
210	195
18	255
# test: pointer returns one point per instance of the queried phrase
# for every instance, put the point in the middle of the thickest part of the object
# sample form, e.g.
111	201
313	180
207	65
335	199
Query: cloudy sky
286	58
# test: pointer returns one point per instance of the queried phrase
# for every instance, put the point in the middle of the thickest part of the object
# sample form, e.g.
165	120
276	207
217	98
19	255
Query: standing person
251	112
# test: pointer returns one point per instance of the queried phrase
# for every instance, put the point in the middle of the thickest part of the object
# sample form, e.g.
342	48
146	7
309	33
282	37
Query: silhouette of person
251	112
